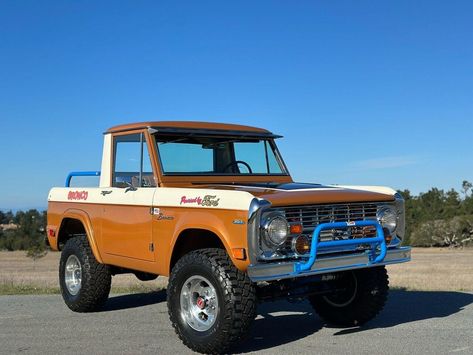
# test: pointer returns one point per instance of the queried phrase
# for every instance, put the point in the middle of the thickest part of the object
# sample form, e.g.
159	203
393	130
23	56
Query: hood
294	194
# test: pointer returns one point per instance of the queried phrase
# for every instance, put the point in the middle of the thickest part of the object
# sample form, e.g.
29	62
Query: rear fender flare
84	218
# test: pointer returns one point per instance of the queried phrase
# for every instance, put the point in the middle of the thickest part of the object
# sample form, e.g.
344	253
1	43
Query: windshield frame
271	144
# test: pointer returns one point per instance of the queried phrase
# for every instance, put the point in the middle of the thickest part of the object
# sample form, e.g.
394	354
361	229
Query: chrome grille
311	216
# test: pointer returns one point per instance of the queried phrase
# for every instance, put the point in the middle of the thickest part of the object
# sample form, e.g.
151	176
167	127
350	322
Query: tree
6	217
29	231
36	252
466	186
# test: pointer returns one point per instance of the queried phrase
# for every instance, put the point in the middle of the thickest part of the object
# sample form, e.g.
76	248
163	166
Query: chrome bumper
323	265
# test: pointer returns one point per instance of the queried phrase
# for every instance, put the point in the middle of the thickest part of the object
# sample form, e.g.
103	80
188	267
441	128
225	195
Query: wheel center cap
200	302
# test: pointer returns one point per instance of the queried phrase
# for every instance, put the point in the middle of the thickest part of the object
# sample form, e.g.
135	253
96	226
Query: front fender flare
214	225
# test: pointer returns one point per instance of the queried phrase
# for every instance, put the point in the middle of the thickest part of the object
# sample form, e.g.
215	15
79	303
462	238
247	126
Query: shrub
453	232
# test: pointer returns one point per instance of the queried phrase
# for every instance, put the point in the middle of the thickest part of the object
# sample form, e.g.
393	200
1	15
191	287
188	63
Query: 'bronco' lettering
78	195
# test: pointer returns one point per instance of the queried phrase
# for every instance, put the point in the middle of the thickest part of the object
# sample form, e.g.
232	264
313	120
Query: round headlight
277	230
387	217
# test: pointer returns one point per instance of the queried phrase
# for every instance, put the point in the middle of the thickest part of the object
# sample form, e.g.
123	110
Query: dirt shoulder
430	270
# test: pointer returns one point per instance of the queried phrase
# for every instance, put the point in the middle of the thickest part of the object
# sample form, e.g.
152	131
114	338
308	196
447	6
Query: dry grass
430	269
21	275
435	269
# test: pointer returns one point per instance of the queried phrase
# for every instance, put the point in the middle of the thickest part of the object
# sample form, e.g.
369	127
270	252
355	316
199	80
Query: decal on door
207	201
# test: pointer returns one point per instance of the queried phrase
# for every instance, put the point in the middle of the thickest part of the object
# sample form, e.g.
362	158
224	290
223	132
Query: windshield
218	156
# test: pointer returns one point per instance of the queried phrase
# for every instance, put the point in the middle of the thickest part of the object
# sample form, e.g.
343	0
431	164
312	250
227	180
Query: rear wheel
84	282
360	296
211	303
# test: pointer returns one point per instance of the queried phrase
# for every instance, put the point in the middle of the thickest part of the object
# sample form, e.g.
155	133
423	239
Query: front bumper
326	264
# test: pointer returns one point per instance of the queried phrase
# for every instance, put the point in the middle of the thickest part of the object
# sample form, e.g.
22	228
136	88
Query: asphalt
411	323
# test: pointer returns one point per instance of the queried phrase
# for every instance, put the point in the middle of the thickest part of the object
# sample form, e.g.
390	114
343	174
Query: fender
215	225
84	218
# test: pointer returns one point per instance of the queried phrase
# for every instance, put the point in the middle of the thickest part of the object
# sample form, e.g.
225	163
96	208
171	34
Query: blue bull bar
374	242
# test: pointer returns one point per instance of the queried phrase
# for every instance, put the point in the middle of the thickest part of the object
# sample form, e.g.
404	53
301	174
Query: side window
132	163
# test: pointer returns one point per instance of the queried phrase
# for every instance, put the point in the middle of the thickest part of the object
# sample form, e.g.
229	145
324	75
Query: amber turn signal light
387	236
296	229
301	244
239	253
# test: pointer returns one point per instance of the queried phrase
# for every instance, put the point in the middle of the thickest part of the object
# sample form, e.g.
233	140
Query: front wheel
211	303
360	295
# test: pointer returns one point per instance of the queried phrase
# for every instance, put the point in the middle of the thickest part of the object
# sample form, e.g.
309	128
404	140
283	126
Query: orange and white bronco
214	207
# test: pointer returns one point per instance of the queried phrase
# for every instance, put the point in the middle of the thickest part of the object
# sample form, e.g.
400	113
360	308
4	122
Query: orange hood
293	194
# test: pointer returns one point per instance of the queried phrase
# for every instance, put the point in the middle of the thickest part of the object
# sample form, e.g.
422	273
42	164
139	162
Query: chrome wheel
73	275
199	303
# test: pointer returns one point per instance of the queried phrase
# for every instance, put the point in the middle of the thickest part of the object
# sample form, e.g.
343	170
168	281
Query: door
126	217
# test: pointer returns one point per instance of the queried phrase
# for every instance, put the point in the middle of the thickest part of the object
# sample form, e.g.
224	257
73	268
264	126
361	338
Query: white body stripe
249	187
379	189
178	197
107	153
161	196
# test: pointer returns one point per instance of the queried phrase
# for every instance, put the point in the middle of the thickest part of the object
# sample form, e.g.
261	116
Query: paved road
412	323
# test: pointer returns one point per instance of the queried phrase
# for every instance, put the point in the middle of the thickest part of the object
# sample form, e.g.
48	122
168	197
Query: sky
364	92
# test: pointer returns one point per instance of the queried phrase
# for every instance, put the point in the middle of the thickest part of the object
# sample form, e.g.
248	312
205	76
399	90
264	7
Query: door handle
106	192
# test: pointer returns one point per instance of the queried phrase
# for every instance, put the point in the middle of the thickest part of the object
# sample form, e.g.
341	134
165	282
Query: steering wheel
236	162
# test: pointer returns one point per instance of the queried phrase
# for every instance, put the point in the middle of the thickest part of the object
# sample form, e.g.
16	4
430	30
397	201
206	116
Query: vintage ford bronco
213	207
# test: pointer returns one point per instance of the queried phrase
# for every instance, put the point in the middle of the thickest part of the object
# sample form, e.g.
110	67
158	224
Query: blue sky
365	92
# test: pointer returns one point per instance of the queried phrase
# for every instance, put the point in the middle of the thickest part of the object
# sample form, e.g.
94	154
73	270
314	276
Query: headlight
401	217
387	217
276	230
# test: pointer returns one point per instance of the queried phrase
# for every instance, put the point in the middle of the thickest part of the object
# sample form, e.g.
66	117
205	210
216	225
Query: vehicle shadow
134	300
410	306
280	323
402	307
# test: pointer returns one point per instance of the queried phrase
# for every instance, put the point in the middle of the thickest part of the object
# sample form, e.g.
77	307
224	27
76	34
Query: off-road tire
370	294
145	276
96	277
236	300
